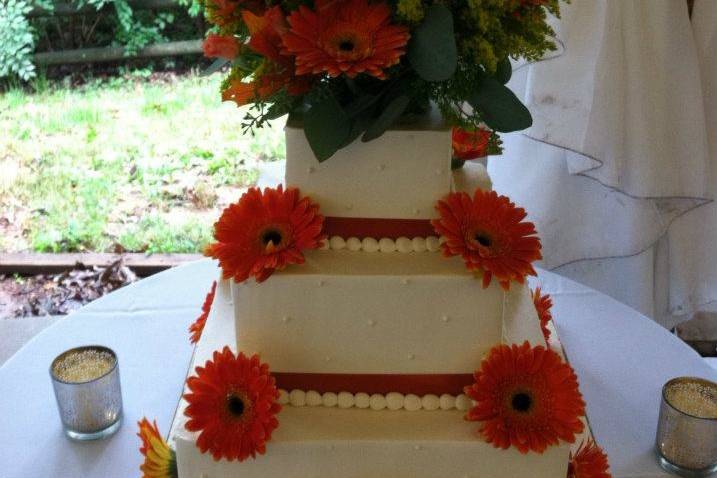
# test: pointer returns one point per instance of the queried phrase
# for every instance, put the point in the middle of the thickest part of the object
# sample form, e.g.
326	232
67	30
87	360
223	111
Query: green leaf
327	127
501	110
361	104
215	66
358	126
276	111
504	70
432	49
388	116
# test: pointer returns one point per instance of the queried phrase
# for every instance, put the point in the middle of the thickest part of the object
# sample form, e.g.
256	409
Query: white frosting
404	244
473	175
377	402
361	443
373	180
337	243
384	244
330	442
393	323
412	402
346	400
430	402
392	401
313	398
369	244
447	402
419	244
297	398
353	244
432	243
463	403
330	399
362	400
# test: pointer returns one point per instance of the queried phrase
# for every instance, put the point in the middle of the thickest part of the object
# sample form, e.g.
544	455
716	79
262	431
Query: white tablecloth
621	357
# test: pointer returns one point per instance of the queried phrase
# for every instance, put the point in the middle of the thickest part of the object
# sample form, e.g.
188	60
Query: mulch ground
60	294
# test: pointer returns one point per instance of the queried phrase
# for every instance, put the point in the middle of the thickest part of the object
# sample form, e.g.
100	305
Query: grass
130	164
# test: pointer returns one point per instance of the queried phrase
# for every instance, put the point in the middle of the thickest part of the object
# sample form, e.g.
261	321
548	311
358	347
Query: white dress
617	152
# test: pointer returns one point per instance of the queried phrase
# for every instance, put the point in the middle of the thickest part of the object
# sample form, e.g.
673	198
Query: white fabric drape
617	157
693	239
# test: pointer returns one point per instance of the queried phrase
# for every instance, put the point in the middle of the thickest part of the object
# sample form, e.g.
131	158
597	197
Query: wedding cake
372	340
371	317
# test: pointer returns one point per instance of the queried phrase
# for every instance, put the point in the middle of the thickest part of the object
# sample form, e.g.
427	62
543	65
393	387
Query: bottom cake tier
314	441
354	443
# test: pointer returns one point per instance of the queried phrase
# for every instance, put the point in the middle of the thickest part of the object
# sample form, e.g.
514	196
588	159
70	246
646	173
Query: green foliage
458	57
501	110
16	39
432	50
89	168
394	109
118	25
327	126
155	234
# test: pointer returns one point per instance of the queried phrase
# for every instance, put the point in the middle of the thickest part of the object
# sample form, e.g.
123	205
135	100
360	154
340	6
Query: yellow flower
410	10
160	461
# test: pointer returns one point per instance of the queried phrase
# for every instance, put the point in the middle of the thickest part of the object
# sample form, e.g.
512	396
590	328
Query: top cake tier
400	175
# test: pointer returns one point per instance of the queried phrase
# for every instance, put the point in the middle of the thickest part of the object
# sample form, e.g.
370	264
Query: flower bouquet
353	68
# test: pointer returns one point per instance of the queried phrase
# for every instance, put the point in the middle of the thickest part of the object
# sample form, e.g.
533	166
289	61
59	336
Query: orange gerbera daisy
543	304
221	46
590	461
232	404
265	232
160	461
469	145
489	232
226	14
198	326
277	71
349	37
526	397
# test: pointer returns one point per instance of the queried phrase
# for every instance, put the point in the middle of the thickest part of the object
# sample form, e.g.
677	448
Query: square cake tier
357	312
320	441
399	175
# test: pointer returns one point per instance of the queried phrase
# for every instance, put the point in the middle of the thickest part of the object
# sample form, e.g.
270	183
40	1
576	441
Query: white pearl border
377	401
384	244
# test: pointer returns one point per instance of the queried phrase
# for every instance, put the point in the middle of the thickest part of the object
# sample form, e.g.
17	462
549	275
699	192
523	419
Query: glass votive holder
87	389
687	428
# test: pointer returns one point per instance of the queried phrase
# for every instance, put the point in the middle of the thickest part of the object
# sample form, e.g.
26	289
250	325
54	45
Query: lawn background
141	162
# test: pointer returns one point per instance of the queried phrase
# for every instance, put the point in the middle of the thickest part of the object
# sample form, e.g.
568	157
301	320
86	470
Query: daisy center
235	405
521	402
483	239
346	45
271	236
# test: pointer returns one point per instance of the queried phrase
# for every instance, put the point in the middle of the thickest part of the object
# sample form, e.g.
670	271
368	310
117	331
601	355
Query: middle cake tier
356	312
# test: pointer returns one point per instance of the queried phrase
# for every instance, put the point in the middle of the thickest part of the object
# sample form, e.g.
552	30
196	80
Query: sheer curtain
616	170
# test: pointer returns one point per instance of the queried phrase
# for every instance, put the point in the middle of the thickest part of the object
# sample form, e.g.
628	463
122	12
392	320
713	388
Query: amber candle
687	428
87	390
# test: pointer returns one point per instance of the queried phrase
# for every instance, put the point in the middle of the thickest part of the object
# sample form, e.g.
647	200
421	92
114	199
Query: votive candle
687	428
88	393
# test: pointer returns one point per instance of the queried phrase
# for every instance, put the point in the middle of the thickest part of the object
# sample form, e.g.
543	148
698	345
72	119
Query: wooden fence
112	53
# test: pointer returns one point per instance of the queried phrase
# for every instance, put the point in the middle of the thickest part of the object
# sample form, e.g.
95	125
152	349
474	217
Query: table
621	357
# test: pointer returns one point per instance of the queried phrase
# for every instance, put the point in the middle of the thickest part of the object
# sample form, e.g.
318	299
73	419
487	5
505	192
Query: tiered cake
373	339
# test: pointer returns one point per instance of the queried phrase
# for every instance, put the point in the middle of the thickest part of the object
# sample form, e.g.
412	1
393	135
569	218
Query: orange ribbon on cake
377	227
